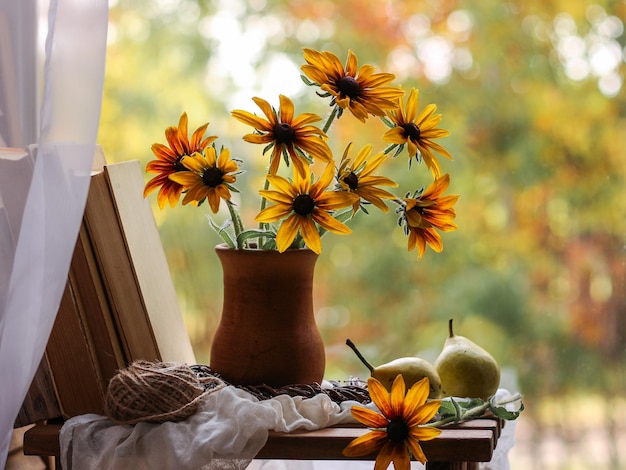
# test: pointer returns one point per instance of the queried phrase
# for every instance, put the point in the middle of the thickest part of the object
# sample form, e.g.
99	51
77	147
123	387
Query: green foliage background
536	271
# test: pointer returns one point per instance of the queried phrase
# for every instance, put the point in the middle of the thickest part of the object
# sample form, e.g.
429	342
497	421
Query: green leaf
268	147
223	232
447	409
503	413
270	244
399	151
298	241
253	233
306	80
231	187
471	403
387	122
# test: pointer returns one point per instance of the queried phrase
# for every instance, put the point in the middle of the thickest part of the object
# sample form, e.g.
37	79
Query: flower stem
330	119
471	413
263	225
236	219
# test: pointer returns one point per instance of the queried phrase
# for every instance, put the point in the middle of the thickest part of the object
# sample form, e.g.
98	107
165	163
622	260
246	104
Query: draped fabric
38	233
225	433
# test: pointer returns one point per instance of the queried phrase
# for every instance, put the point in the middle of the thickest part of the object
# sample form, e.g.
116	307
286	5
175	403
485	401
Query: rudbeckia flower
209	177
417	131
168	160
398	429
427	212
359	90
304	204
287	134
357	176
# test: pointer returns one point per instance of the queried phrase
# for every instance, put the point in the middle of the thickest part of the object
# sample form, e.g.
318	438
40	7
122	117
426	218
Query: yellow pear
413	369
466	369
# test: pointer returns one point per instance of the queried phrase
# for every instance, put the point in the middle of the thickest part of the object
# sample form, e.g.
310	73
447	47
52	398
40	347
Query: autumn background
533	93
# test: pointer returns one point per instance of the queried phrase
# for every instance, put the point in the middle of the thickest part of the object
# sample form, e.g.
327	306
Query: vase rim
225	247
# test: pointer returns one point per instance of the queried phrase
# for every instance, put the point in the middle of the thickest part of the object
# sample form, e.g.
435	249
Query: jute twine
156	392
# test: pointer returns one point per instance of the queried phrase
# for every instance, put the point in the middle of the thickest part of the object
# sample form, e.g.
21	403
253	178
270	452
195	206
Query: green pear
413	369
466	370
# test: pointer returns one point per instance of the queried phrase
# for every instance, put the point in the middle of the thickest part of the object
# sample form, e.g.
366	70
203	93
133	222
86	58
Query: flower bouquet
296	209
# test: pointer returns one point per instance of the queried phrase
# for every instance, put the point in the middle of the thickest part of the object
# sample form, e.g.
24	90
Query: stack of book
119	304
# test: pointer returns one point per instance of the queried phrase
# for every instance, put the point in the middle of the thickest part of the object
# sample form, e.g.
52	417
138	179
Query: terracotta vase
267	332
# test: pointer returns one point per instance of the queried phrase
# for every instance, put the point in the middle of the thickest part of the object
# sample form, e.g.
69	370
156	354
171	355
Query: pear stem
359	355
450	330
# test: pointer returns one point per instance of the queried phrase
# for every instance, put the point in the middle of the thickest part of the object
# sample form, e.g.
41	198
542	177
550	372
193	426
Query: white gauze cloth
230	427
230	424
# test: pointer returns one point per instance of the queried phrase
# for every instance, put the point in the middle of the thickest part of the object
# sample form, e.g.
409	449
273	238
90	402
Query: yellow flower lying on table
302	208
398	429
406	418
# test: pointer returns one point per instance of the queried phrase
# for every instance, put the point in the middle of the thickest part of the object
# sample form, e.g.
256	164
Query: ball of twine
156	392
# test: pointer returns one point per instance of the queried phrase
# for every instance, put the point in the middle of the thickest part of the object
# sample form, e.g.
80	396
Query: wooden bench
459	447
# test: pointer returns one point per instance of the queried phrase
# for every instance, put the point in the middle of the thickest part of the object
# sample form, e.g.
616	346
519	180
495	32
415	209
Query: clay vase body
267	332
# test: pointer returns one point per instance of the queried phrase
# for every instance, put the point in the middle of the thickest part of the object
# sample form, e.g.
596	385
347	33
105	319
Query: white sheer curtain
35	257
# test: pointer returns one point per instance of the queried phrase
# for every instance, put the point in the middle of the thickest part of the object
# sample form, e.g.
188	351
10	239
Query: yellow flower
397	430
358	89
208	177
286	133
304	204
168	160
357	176
418	131
426	212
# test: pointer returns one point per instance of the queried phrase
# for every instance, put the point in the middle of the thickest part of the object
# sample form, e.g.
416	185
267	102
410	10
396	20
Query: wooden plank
457	445
460	445
43	439
454	444
452	466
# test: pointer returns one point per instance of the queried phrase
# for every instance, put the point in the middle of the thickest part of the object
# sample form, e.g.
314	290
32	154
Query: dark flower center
397	431
419	209
349	86
283	133
412	131
303	204
212	177
178	166
352	181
